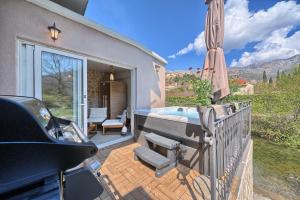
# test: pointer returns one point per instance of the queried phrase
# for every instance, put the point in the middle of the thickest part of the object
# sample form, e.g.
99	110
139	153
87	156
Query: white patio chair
97	115
115	123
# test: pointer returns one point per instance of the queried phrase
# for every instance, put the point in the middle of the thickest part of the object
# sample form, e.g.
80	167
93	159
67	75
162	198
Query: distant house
70	70
241	82
247	89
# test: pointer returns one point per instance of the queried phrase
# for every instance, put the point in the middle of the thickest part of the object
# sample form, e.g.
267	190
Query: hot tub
181	114
178	123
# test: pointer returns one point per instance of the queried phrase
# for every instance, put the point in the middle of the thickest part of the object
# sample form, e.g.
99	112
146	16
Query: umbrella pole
212	101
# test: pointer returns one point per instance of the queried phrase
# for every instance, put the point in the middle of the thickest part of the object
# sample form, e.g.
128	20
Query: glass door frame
37	60
38	74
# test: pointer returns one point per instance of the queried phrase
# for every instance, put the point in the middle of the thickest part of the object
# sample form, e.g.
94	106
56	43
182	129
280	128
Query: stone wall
242	183
94	77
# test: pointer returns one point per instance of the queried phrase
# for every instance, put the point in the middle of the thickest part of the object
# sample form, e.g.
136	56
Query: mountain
254	72
251	73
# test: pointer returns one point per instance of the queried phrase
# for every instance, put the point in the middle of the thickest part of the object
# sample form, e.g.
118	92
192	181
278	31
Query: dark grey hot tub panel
187	133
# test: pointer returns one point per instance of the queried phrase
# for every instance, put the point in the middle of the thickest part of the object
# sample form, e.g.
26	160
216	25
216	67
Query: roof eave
78	6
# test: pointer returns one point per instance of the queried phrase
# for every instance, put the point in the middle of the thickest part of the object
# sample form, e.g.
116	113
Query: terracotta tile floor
125	178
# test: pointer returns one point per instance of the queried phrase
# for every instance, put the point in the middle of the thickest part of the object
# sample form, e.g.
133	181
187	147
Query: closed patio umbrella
214	68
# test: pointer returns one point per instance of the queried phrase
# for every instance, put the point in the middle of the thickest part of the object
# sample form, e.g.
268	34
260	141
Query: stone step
151	157
162	141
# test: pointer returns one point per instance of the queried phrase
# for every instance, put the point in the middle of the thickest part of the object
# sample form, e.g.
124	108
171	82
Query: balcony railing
226	140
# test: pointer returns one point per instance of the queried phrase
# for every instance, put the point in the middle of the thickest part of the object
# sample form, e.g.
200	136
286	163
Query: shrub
181	101
202	90
274	127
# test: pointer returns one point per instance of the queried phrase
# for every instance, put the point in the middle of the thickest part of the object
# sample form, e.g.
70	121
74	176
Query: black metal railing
226	140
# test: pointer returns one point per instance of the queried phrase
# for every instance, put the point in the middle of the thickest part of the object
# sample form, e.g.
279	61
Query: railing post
208	117
213	165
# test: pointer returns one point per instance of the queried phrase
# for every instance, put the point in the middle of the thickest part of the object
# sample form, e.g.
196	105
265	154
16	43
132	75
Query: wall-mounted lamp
157	68
54	31
112	75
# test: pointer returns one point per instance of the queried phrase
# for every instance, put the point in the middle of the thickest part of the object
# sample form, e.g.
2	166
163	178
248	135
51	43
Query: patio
125	178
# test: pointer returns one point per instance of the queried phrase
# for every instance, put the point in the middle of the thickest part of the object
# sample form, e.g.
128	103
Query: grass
276	170
59	105
277	159
181	101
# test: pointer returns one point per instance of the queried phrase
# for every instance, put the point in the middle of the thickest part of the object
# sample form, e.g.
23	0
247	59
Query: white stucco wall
20	19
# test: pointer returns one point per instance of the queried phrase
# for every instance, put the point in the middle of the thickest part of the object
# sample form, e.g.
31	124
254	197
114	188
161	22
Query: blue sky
255	30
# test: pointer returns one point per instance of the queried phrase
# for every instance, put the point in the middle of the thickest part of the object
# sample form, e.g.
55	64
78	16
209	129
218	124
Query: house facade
83	50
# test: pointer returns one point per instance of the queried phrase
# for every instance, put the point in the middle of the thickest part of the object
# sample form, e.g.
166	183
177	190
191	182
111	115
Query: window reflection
61	86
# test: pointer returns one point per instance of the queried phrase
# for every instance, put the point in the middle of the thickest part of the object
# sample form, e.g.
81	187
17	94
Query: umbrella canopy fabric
214	68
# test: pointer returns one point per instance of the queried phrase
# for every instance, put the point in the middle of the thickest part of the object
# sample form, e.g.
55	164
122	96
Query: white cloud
198	45
276	46
243	27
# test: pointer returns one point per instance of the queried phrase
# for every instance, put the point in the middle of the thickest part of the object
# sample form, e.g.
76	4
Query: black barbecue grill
36	150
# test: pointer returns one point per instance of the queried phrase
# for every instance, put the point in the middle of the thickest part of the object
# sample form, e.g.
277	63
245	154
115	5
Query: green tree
297	69
265	78
176	80
278	75
270	80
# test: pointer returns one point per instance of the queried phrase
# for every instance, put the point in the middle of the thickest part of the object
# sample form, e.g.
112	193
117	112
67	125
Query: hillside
255	71
251	73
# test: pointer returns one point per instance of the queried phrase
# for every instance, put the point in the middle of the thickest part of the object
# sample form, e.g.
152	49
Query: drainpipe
207	119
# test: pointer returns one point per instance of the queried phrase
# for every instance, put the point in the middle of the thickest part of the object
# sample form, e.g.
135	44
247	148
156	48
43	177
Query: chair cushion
98	112
96	119
112	122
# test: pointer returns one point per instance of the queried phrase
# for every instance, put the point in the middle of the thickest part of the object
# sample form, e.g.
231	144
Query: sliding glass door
61	87
59	79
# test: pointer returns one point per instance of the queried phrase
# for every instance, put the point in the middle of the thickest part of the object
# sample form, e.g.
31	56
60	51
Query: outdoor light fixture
112	75
54	31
